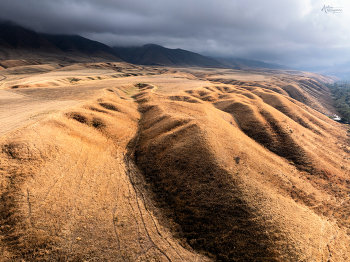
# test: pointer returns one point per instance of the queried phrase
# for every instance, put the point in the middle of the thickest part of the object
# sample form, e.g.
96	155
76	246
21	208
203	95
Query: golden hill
164	164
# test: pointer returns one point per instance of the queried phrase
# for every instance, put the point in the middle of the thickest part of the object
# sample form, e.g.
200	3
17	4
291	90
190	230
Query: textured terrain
117	162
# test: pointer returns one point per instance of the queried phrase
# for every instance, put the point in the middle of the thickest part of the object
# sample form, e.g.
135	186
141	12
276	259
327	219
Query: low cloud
291	32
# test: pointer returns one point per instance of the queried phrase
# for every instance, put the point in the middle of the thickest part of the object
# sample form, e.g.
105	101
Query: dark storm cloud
292	32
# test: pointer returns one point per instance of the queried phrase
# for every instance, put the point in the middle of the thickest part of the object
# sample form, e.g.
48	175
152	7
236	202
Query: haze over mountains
16	41
240	63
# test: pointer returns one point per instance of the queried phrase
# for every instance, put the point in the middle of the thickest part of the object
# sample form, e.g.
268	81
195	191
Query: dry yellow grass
191	170
17	110
42	89
70	191
233	197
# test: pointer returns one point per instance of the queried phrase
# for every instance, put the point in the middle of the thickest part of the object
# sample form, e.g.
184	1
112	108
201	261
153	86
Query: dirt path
80	196
2	78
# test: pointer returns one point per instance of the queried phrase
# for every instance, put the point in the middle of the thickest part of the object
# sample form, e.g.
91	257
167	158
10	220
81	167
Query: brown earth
170	165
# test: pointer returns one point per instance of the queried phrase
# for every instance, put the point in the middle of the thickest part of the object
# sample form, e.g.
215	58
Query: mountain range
17	42
152	54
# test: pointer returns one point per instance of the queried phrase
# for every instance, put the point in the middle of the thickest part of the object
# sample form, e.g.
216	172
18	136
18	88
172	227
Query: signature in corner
331	9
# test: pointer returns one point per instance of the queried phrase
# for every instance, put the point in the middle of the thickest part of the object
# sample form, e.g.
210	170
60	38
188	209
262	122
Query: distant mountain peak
153	54
15	38
152	45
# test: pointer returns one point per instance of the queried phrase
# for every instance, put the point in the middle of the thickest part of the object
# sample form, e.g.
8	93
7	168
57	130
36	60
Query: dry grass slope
70	192
191	170
232	198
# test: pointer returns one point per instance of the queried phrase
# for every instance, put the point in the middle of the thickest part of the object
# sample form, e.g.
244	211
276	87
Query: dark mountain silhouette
152	54
79	44
17	41
14	36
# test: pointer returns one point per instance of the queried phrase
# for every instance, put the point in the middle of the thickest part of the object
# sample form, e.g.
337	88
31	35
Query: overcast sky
296	33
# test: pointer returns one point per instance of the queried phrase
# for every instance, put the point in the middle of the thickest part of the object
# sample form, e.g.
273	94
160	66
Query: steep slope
152	54
79	44
246	182
16	37
17	42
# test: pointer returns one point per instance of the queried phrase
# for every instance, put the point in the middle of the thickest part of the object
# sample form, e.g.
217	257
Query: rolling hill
147	172
118	162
